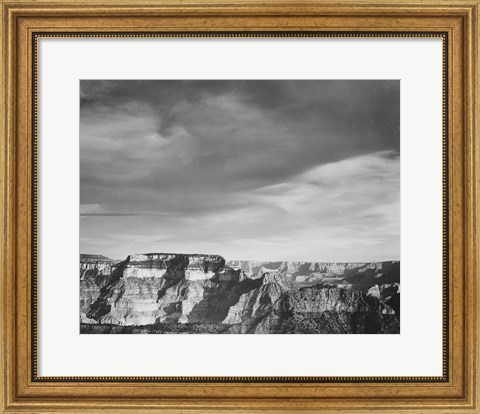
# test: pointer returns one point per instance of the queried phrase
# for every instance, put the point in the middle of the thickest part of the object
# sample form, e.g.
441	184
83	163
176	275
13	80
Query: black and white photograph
239	207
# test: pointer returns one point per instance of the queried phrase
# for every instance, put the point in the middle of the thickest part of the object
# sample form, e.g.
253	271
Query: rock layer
204	293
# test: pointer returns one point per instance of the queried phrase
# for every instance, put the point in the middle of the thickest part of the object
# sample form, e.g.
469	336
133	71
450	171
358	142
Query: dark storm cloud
204	149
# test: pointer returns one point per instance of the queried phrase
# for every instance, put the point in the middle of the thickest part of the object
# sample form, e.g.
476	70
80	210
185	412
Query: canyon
192	293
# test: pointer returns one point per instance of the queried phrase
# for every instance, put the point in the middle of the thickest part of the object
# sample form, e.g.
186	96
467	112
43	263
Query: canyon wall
204	293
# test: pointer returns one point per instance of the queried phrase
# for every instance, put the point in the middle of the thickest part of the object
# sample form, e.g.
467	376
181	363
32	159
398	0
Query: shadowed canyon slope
180	293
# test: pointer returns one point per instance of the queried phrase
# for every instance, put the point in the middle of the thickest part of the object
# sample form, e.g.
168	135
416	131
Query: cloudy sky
260	170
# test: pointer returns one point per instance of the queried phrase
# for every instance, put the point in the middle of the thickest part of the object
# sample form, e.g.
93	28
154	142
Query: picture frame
24	22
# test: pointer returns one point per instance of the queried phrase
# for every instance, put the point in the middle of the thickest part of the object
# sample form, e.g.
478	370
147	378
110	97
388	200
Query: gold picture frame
24	22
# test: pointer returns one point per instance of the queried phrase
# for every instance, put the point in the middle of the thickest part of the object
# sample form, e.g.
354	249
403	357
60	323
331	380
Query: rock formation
163	293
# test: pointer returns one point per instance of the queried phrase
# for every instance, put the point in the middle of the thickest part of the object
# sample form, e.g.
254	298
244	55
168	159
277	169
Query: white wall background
417	351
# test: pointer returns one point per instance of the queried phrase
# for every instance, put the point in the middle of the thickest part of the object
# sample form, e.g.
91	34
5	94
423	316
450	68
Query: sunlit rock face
152	288
388	293
190	267
257	302
95	271
92	266
384	291
206	294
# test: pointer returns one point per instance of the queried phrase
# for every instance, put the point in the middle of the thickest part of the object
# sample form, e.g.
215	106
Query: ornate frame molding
23	22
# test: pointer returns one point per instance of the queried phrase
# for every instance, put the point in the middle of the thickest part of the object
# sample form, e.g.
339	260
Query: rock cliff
161	293
95	272
324	309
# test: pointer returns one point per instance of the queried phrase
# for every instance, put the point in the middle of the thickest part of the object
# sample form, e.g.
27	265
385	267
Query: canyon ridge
159	293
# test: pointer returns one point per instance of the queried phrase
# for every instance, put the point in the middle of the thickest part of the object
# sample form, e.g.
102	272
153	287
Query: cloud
90	208
332	211
348	210
304	168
